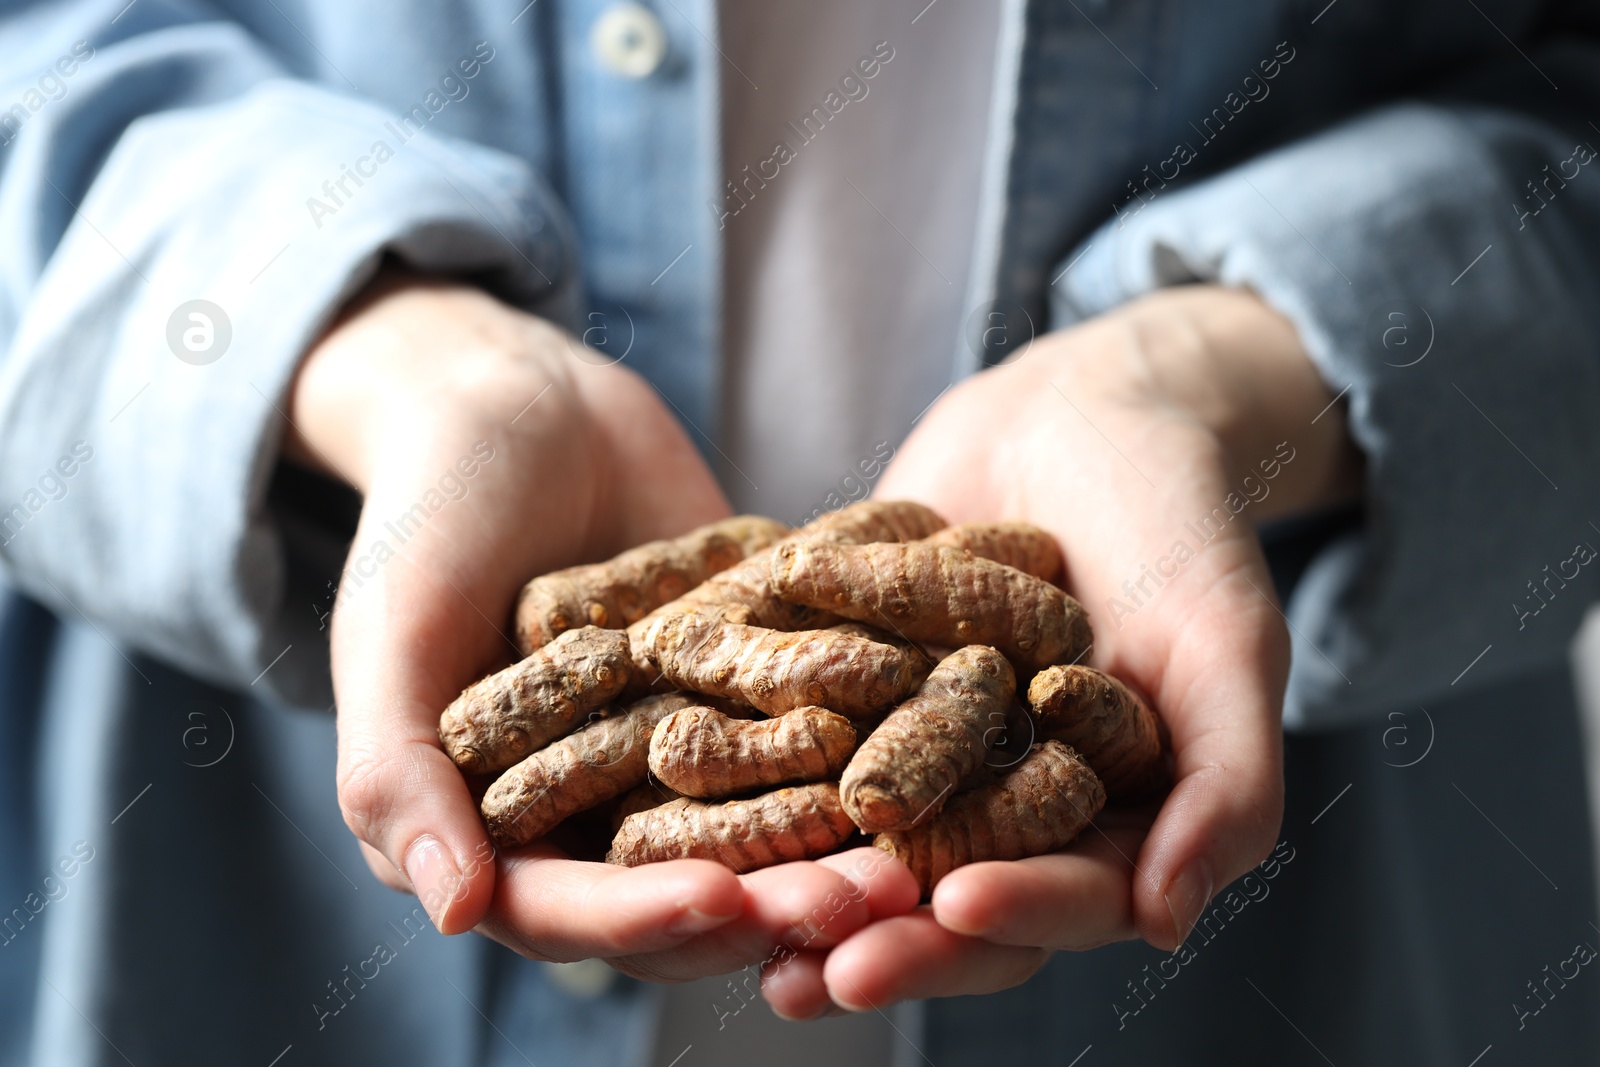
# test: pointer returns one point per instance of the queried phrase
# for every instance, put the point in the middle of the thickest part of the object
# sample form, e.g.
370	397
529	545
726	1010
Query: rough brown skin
870	521
1016	544
642	797
944	596
798	823
777	672
623	590
908	768
500	719
603	760
702	753
1039	807
743	593
1110	726
883	637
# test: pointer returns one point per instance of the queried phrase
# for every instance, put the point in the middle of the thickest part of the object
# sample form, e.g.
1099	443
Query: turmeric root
791	824
870	521
883	637
603	760
777	672
1016	544
906	769
499	720
1106	722
642	797
1039	807
743	593
623	590
932	593
702	753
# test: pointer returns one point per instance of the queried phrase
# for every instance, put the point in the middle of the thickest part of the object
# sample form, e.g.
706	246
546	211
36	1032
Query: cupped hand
1150	441
489	447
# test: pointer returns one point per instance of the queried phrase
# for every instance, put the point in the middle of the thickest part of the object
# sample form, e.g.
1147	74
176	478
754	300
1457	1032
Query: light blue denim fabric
1475	417
186	151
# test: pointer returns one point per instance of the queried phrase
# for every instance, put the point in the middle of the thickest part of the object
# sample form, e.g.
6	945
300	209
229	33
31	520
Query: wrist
409	358
1223	359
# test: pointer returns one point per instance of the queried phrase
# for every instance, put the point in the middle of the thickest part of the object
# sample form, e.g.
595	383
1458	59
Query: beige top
853	139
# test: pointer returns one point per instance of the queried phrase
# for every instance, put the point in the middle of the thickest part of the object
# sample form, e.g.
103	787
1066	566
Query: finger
788	909
550	908
1222	705
1076	899
796	990
403	648
912	957
400	793
420	614
385	871
408	796
888	885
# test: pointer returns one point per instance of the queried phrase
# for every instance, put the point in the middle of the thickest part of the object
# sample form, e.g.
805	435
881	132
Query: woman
1267	270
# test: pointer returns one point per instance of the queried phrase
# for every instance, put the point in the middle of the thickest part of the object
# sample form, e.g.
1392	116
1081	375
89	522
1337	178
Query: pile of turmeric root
753	695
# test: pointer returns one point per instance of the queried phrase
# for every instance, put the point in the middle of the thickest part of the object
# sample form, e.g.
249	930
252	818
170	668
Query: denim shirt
263	161
1408	183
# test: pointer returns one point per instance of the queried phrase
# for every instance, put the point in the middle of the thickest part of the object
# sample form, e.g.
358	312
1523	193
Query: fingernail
1188	896
434	877
692	921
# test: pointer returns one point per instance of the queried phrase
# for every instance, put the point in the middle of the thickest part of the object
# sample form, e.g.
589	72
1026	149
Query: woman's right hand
490	447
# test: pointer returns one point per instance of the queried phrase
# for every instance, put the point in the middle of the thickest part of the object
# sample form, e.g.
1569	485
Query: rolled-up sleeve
139	429
1438	258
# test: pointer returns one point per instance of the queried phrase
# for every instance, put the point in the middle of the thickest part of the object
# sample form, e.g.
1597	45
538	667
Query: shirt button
629	40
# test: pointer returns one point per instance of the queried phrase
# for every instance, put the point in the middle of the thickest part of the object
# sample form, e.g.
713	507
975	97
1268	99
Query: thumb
1221	698
405	640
